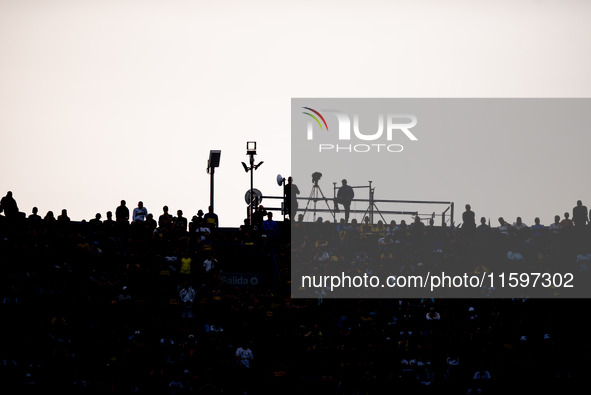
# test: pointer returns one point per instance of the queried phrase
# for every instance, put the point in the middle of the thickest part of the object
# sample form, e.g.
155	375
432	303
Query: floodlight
251	148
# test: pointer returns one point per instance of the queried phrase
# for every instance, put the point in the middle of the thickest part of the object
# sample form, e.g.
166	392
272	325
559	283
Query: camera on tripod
316	176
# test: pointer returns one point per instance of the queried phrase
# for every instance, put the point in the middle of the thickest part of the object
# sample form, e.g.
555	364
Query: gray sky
110	100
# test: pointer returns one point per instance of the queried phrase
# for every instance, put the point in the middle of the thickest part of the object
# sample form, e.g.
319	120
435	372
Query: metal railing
446	213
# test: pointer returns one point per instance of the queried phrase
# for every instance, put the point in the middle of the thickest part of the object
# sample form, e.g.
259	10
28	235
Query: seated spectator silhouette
519	225
49	218
246	226
109	224
34	217
96	222
403	227
417	226
566	223
580	218
469	219
366	227
270	227
391	227
504	227
150	223
483	225
122	213
109	219
258	217
380	227
555	226
63	218
9	206
537	225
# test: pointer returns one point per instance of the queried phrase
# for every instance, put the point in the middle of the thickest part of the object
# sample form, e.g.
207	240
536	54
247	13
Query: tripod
372	205
314	197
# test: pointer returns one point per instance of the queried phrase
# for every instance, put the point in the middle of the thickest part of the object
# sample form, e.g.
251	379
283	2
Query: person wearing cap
344	196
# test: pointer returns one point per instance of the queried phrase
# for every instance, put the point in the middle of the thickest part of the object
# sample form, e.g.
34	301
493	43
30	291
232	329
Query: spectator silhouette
555	226
35	217
504	226
580	217
483	225
270	227
9	206
122	213
140	212
417	226
469	219
109	219
200	215
49	217
180	223
211	218
566	223
63	218
150	223
519	225
259	216
96	221
537	225
344	196
290	192
165	219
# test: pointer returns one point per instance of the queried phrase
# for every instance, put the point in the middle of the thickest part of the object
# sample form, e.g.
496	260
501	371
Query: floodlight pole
212	170
251	186
212	163
251	147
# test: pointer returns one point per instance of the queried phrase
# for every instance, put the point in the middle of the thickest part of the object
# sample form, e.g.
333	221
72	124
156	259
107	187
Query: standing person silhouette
469	219
580	218
140	213
344	196
211	218
122	213
290	192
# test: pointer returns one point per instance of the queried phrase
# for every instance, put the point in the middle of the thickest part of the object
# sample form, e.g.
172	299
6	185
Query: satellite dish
256	195
280	179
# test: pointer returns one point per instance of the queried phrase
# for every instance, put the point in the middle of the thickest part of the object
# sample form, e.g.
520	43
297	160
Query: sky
110	100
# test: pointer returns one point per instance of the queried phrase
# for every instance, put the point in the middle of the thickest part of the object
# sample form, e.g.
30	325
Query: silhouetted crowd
135	305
